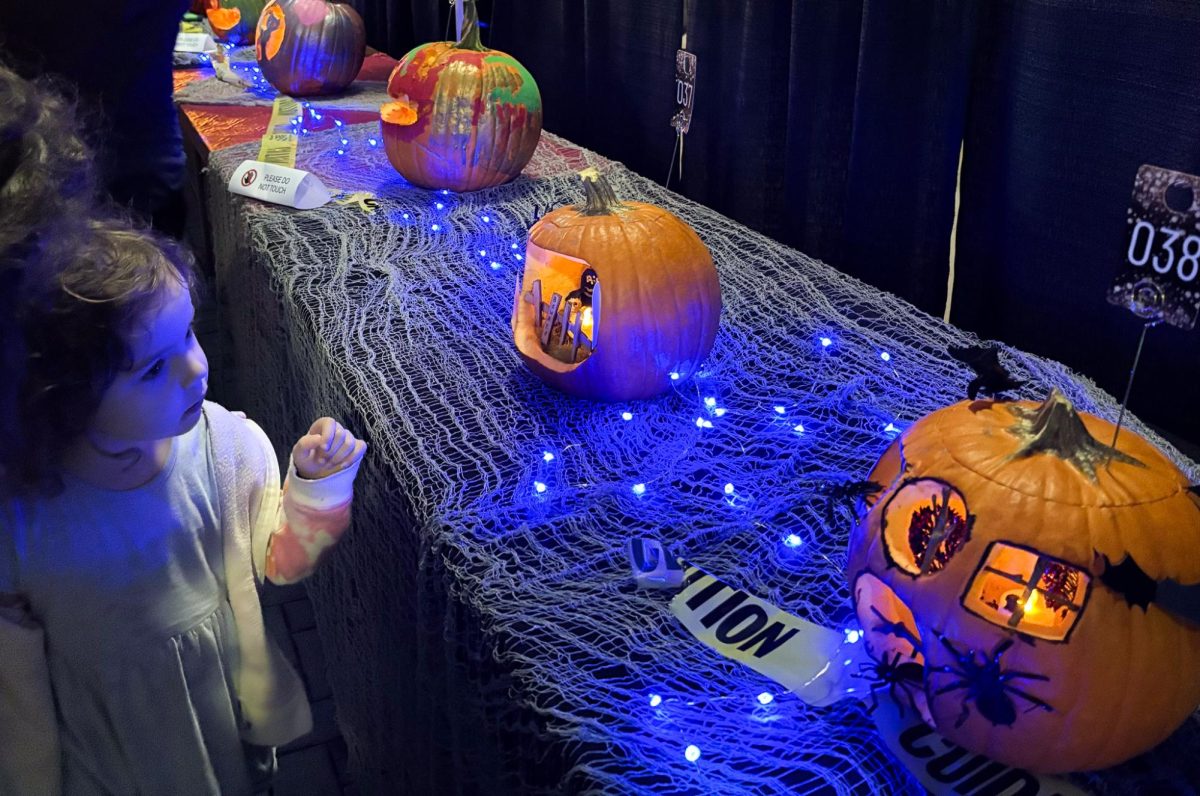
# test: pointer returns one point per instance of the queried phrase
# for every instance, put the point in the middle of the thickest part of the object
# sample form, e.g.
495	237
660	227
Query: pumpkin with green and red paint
1014	559
310	47
463	117
233	21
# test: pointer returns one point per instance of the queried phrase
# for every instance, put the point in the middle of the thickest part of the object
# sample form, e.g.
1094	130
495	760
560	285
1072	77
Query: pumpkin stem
470	33
1055	427
601	201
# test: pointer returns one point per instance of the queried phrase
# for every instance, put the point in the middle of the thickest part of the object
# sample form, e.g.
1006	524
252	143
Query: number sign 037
1161	276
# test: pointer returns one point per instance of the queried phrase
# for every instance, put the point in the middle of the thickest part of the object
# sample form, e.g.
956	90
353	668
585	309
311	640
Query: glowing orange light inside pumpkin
272	23
1034	594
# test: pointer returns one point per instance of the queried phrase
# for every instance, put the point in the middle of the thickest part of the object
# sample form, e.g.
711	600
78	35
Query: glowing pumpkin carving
463	117
310	47
618	301
233	21
1005	555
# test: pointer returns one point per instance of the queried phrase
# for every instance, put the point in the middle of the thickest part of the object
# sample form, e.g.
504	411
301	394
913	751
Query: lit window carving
1030	592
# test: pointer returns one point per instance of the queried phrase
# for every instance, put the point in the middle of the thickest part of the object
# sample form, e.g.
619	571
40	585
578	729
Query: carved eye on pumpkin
1028	591
925	523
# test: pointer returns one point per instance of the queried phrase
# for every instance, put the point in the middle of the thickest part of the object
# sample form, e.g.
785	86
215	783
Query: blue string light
692	753
435	227
826	342
729	489
766	698
627	415
885	356
547	456
853	635
539	487
655	700
779	410
798	428
792	540
495	265
639	489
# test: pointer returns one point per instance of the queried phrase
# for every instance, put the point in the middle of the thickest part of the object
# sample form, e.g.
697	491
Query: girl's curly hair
81	302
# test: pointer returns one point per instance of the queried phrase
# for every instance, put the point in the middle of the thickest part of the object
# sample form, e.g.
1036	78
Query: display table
481	629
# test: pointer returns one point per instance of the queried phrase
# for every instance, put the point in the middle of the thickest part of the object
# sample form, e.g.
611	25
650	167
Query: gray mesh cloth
484	637
363	95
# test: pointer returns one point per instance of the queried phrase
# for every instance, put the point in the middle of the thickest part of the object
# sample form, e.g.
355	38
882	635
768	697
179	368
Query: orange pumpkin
618	300
476	114
310	47
998	556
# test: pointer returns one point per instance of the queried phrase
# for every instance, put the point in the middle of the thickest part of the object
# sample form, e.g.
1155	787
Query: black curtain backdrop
835	126
1069	98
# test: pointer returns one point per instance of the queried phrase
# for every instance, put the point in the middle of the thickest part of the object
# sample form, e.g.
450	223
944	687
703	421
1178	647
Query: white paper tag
943	767
813	662
194	43
278	184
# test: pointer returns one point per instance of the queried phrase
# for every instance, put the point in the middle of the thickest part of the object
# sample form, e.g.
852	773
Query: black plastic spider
891	674
850	496
987	684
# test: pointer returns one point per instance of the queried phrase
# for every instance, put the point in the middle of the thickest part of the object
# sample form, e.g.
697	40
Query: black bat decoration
1130	581
990	375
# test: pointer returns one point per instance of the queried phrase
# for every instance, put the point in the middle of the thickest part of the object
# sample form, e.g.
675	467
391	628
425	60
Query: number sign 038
1161	276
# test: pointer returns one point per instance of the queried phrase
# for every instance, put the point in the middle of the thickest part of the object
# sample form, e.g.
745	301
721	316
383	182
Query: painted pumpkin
618	300
463	117
310	47
233	21
1013	557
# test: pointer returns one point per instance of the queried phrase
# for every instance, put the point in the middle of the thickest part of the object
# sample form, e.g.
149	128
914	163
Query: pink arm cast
314	516
302	540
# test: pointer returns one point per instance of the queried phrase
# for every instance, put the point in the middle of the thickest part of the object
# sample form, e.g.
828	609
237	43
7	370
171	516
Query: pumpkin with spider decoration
1014	558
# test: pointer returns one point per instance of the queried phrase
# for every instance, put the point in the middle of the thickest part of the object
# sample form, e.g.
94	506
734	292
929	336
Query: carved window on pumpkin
1027	591
925	523
563	298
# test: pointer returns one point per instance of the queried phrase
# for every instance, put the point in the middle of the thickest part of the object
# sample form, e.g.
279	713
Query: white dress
142	642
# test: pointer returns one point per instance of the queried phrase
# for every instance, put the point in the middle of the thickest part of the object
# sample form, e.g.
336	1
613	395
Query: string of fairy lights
710	411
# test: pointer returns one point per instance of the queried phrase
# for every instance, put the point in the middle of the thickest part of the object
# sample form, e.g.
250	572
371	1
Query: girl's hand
327	448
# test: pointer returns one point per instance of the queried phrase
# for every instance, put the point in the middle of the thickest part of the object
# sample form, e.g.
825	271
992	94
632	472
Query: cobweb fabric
362	95
483	636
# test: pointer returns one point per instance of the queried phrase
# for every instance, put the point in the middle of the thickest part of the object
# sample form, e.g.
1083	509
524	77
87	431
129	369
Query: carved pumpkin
617	301
1008	554
310	47
233	21
476	114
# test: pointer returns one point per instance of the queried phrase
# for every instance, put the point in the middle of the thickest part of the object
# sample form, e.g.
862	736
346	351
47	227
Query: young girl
136	522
